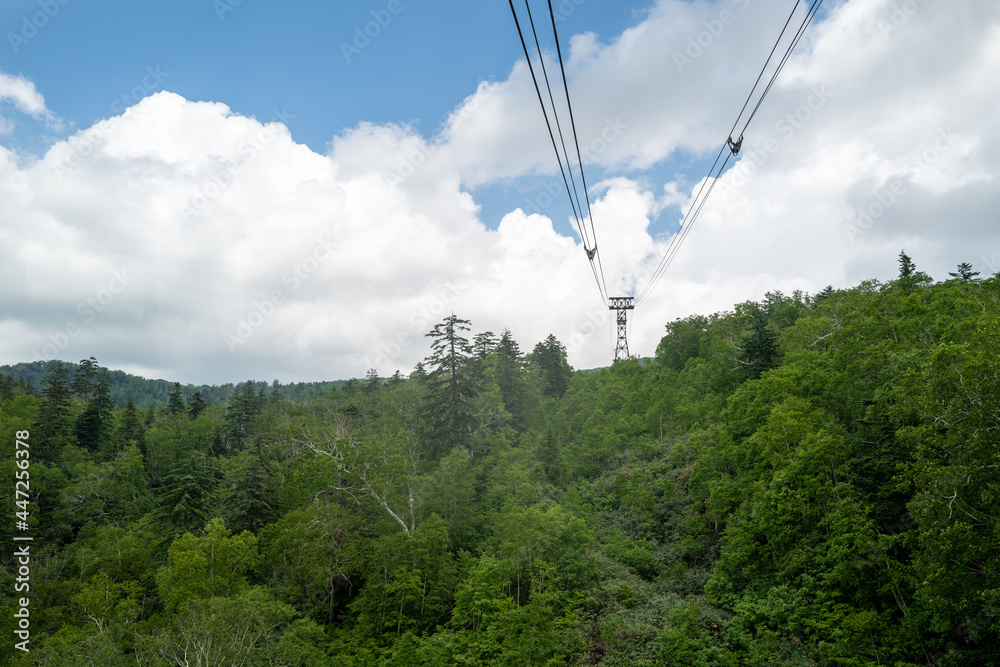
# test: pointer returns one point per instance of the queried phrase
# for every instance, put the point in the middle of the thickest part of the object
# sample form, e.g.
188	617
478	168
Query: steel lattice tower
621	304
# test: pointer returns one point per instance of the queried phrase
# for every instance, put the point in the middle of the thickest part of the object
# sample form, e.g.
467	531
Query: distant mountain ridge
146	392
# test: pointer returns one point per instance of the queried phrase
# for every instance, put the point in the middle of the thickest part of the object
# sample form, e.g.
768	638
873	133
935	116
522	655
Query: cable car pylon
621	305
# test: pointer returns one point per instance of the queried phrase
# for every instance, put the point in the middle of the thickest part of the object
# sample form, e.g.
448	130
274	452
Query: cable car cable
572	121
691	217
576	206
548	125
545	74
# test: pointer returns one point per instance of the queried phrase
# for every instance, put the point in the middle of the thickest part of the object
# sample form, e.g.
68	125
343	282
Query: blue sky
298	57
209	195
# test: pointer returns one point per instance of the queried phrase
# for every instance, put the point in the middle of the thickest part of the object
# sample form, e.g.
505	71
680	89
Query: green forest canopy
799	481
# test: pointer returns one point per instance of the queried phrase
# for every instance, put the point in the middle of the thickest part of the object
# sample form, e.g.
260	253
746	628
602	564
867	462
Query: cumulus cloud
183	240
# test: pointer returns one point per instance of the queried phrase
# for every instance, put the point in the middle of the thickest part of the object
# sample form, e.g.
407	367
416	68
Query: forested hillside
808	480
143	392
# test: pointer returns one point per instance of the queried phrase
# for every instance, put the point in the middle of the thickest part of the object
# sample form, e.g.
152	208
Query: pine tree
196	403
175	400
964	272
396	379
150	416
449	387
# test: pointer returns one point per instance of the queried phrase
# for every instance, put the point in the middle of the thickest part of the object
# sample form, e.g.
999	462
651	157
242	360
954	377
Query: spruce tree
242	409
250	506
175	400
131	431
510	376
261	398
94	425
54	427
184	502
196	403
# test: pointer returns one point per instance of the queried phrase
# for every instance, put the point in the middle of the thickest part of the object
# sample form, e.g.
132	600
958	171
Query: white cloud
23	95
168	233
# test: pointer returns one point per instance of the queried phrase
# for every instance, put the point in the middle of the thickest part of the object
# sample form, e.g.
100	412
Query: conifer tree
760	345
184	502
242	409
9	387
550	357
822	295
175	400
275	396
964	272
483	344
95	423
906	266
449	387
250	506
196	403
372	382
54	428
510	377
85	378
150	416
261	399
131	431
